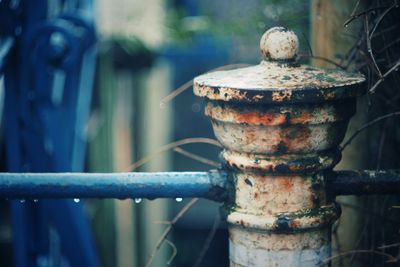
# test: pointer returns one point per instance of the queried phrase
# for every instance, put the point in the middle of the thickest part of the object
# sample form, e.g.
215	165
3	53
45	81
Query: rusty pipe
364	182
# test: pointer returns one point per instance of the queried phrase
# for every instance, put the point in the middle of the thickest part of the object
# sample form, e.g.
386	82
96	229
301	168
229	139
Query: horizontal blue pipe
209	185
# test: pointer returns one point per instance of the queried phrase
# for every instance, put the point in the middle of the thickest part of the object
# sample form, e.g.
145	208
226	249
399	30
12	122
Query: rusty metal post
280	124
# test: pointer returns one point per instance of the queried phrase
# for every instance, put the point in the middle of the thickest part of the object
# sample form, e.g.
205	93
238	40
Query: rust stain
304	117
281	96
286	184
257	118
295	224
280	124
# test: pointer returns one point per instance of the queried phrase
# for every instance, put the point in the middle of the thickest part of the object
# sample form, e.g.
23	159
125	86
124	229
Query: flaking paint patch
275	82
256	257
281	95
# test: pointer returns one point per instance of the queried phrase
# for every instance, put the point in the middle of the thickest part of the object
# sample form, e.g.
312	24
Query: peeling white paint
256	257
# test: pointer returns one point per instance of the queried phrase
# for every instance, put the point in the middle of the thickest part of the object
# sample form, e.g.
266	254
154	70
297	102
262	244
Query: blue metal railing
210	185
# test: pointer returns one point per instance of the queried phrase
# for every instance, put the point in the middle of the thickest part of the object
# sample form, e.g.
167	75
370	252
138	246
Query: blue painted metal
211	185
49	69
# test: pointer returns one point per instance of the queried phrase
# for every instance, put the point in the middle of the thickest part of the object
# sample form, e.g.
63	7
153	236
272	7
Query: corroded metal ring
283	164
288	222
271	82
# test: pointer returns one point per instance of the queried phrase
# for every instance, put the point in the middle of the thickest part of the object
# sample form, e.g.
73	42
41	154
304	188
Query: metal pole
209	185
364	182
280	124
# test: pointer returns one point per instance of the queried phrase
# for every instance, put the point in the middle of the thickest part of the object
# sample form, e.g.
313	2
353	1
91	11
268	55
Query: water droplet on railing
138	200
178	199
76	200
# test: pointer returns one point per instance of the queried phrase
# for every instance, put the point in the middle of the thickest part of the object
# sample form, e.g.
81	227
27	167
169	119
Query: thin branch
369	46
189	84
365	126
176	92
355	8
394	68
353	17
382	140
383	49
369	212
196	157
308	44
379	20
361	251
168	230
172	145
207	243
174	251
389	246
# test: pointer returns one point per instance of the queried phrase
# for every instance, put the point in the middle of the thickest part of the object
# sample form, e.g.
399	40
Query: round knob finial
280	44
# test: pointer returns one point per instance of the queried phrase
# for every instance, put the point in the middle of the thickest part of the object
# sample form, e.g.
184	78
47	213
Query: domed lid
278	78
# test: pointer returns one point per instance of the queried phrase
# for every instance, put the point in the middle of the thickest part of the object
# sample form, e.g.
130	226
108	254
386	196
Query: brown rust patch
257	118
303	117
294	137
285	184
280	96
295	224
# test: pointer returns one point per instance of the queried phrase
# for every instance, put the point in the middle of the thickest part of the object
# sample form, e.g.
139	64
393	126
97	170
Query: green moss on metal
230	203
324	77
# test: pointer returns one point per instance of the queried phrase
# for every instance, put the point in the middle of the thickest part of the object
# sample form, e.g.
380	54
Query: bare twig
389	246
384	13
172	145
189	84
335	234
394	68
369	212
308	44
362	13
369	46
168	230
355	8
380	147
365	126
196	157
174	251
361	251
176	92
207	243
383	49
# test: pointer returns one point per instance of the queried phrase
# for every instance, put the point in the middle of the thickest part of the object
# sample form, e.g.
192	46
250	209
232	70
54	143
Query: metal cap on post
280	124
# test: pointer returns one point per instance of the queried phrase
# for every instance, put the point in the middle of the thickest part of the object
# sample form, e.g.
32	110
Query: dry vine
376	53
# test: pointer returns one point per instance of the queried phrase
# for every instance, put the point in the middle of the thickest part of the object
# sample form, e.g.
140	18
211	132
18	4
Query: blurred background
150	48
146	50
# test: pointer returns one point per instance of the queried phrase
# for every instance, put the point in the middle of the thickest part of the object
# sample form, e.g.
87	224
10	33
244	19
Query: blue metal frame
211	185
48	59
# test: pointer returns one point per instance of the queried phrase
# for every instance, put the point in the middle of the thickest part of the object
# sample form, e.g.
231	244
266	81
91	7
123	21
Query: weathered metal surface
279	44
269	249
279	79
273	82
209	185
280	125
280	129
365	182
